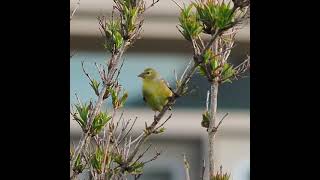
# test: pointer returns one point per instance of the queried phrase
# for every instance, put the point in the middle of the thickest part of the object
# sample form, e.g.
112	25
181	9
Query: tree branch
213	38
142	154
211	133
86	136
203	170
186	167
215	129
177	93
154	158
128	130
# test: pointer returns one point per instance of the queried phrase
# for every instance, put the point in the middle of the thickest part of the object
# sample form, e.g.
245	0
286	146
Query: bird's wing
169	91
165	82
167	88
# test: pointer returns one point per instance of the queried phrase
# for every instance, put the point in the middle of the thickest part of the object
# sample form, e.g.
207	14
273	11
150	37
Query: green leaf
207	56
189	24
134	16
82	114
130	15
95	86
96	159
214	15
202	70
214	64
114	96
210	61
99	122
226	66
78	166
227	72
205	119
114	39
123	99
136	168
223	16
78	161
227	81
161	130
118	40
220	176
118	159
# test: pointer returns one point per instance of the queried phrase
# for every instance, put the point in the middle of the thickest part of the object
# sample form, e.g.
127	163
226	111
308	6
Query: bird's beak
141	75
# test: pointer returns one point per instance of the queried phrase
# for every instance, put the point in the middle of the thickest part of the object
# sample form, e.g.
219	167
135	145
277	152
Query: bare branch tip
177	4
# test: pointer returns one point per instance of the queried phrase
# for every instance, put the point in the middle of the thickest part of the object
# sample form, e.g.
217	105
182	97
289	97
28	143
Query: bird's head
149	74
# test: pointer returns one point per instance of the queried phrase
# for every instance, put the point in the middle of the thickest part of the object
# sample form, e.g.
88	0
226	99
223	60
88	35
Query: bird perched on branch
155	90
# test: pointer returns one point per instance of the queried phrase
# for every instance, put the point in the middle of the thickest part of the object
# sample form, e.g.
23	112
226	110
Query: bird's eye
148	72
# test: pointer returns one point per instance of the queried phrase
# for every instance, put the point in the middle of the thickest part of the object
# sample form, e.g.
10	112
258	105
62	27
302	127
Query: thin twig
129	130
186	167
128	147
100	71
75	9
175	75
201	42
203	169
139	138
213	38
72	54
78	99
220	122
195	46
121	115
151	5
84	71
110	134
163	122
142	154
106	153
177	4
136	177
240	69
120	69
185	70
122	129
154	158
207	101
220	53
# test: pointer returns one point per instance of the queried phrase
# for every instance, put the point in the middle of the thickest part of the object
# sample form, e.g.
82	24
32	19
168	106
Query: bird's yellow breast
156	93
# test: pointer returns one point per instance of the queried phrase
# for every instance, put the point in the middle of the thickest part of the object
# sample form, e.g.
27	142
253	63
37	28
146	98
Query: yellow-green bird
155	90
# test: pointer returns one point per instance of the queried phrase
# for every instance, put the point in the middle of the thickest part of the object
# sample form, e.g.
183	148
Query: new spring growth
81	116
118	100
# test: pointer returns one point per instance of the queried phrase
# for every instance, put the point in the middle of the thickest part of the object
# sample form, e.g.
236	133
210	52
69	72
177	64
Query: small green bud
205	119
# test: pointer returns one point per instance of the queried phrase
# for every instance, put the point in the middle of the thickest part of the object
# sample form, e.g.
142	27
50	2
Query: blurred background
163	48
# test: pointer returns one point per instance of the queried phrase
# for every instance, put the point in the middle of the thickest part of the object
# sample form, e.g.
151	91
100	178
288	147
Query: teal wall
235	95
